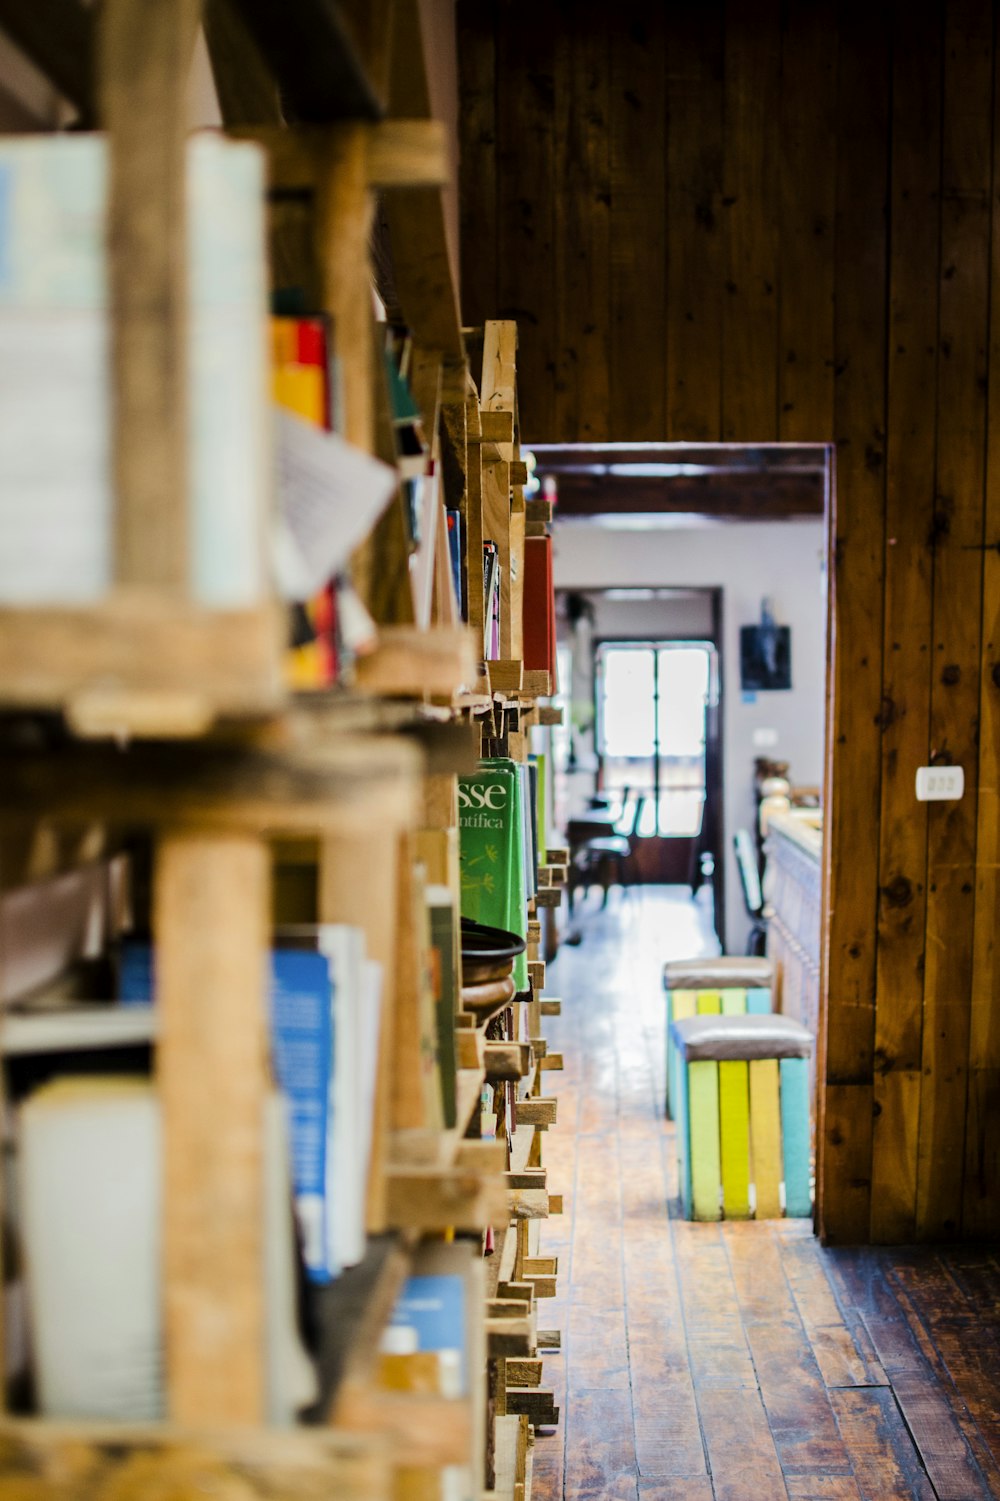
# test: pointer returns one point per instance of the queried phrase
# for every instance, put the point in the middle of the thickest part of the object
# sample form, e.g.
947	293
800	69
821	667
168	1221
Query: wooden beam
211	923
59	38
145	59
335	789
57	1460
597	458
736	496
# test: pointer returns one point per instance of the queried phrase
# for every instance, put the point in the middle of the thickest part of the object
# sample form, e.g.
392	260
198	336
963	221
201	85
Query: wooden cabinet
792	886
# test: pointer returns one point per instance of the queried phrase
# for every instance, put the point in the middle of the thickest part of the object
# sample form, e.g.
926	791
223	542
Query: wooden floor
734	1361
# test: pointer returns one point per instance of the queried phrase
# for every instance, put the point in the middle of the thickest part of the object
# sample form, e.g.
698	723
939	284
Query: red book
539	606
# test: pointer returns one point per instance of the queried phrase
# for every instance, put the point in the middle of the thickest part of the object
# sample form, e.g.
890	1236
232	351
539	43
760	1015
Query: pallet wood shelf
183	732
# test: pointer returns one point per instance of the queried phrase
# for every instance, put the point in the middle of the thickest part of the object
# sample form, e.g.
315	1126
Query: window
651	715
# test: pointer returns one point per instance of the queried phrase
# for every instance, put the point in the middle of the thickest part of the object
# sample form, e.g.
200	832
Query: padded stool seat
723	972
741	1090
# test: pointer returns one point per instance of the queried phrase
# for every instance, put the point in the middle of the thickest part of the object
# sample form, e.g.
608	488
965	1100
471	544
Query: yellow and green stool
741	1104
726	985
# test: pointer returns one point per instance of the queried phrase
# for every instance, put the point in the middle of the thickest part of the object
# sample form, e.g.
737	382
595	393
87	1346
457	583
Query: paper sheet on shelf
330	494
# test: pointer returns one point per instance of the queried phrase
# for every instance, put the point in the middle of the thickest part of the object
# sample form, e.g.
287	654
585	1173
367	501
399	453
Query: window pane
680	812
683	694
627	721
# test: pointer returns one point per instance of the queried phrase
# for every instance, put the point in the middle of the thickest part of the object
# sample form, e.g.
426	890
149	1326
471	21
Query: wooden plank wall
760	220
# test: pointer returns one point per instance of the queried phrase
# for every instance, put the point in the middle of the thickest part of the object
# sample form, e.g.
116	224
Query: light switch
939	783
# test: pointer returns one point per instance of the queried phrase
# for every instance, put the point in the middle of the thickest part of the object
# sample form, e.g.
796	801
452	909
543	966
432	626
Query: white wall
783	560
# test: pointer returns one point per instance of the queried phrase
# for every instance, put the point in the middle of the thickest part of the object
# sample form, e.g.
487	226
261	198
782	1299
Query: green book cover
442	913
491	849
543	829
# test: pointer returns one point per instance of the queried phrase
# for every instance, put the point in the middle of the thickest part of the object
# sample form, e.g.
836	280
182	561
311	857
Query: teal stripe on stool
680	1104
795	1136
668	997
758	1002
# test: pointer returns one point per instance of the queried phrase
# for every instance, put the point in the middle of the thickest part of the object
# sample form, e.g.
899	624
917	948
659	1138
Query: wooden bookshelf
148	717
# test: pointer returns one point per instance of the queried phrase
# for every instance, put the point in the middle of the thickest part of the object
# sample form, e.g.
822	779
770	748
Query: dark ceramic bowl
487	953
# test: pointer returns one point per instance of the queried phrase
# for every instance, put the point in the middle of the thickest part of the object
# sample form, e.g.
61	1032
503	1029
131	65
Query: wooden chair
603	859
753	896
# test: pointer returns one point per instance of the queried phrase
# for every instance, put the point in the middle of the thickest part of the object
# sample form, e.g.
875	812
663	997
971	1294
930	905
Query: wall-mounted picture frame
765	658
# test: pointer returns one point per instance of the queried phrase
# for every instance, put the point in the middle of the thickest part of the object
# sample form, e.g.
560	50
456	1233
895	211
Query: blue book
136	980
303	1046
429	1316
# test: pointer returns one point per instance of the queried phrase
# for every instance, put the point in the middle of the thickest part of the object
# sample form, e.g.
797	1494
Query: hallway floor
735	1361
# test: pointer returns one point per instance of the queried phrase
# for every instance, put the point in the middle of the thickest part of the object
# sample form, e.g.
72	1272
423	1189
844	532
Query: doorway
657	706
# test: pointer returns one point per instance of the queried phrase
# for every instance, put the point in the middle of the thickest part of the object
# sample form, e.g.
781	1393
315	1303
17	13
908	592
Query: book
446	963
538	605
492	851
89	1175
491	600
302	1033
428	1319
539	760
300	384
56	497
456	552
325	999
434	1344
356	984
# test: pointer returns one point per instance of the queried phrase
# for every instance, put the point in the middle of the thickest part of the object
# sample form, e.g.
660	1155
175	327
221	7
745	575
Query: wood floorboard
733	1361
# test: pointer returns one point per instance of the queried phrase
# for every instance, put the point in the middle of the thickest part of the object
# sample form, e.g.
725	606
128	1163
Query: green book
440	903
491	848
541	809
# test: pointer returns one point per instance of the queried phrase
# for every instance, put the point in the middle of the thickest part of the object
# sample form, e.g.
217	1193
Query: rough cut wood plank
637	62
795	1398
741	1452
144	59
319	58
477	160
957	618
526	278
750	187
346	783
959	1350
851	848
842	1350
58	36
943	1449
62	1462
581	396
248	94
981	1200
882	1452
212	903
696	263
912	348
822	1487
807	211
207	663
344	216
426	271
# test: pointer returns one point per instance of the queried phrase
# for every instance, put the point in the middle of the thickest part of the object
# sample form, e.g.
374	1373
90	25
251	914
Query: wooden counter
792	883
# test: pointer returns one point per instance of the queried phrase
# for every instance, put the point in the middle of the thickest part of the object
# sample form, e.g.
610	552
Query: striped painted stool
726	985
742	1115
